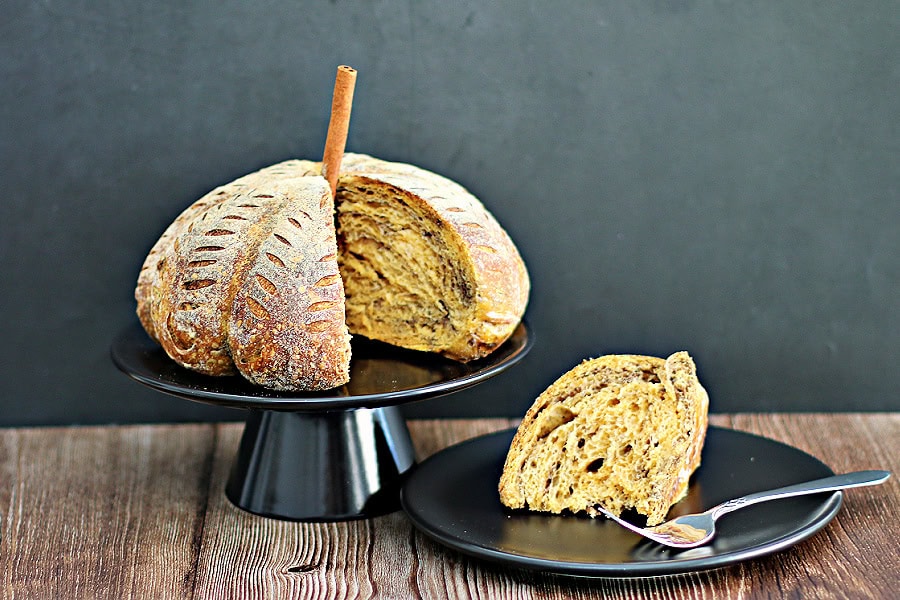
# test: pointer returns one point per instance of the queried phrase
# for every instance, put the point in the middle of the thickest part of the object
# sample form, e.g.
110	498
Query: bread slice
247	278
620	431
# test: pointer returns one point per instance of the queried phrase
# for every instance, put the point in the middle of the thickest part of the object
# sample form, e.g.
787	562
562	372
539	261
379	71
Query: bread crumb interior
401	281
615	432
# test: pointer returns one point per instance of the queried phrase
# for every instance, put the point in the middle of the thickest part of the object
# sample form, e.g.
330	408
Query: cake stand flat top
380	375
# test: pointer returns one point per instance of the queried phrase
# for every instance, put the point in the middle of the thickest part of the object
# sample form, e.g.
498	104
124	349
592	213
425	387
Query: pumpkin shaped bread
269	275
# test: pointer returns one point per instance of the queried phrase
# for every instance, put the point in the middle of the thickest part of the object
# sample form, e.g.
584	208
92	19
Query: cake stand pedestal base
335	455
321	466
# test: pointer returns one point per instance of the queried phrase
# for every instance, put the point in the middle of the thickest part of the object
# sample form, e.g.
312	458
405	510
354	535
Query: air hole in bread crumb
581	443
295	222
217	232
650	376
187	306
209	248
283	239
626	449
594	465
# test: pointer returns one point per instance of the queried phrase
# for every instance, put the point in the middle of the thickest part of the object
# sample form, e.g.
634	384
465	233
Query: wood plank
385	557
858	550
103	512
242	555
141	512
431	435
10	496
373	557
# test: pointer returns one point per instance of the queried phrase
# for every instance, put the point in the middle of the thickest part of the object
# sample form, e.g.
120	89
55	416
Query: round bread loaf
619	431
257	277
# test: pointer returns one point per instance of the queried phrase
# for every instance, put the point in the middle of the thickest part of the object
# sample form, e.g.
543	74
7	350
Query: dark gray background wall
714	176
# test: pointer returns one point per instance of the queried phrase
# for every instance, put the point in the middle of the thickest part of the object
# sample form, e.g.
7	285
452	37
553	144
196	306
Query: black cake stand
326	456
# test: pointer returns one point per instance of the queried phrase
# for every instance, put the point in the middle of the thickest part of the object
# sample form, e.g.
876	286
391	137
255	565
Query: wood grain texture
140	512
103	512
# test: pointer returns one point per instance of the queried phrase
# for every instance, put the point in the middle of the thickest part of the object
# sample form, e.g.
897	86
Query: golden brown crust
248	276
149	270
286	324
693	404
621	431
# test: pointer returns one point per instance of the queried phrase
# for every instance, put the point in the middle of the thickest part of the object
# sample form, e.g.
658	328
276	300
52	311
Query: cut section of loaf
619	431
247	278
425	265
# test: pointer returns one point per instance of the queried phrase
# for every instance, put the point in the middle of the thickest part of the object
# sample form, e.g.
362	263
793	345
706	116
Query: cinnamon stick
339	124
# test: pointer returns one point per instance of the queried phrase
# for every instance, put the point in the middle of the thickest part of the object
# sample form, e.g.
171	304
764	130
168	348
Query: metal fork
690	531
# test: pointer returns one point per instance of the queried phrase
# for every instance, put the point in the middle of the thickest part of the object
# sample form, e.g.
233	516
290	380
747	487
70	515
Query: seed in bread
619	431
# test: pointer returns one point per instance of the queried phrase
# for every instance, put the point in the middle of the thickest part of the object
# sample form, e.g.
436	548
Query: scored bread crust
491	271
149	274
247	278
620	431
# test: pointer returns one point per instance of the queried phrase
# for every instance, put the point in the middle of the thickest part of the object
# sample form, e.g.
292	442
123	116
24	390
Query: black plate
380	375
452	498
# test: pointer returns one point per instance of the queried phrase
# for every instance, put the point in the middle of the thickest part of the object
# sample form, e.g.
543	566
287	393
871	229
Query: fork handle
826	484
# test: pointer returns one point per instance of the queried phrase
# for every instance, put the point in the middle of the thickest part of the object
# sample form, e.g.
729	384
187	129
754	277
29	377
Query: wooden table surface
139	511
